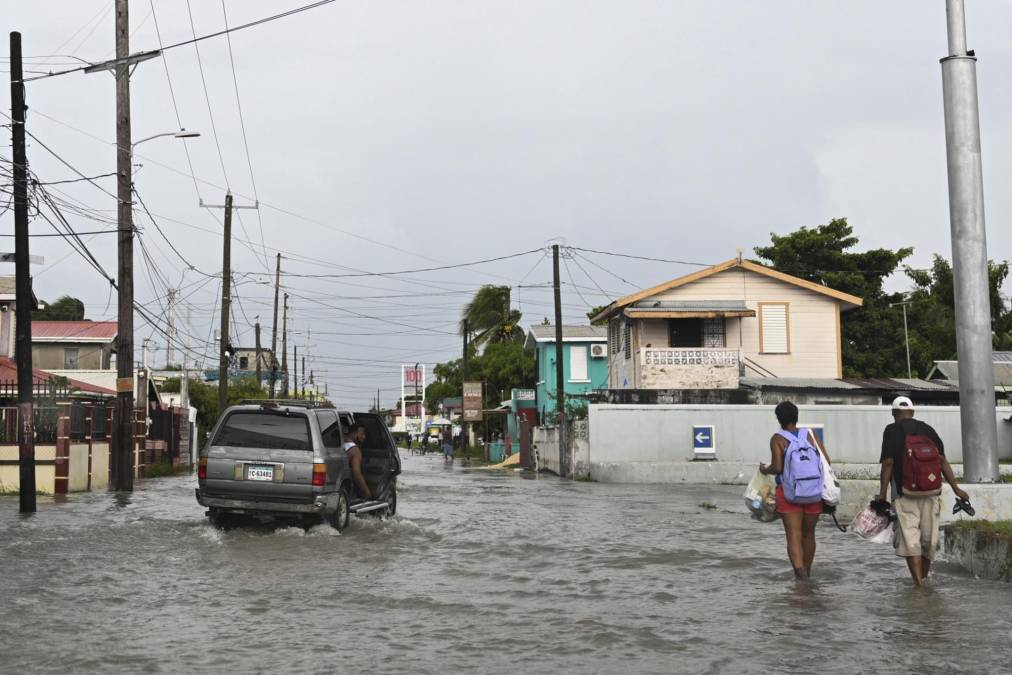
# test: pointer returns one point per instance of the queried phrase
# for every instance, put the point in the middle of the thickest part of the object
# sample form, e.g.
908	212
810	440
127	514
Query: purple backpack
802	475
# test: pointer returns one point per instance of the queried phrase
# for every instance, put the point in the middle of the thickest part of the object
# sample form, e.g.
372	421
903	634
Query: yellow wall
812	322
78	467
45	475
100	465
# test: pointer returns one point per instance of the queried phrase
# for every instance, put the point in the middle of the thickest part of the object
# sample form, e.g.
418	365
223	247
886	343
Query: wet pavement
479	572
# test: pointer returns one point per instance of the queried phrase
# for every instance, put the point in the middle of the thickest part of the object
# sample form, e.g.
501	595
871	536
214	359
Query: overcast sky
387	136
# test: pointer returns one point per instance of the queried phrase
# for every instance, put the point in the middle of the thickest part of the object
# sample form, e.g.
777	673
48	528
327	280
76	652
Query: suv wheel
341	515
392	500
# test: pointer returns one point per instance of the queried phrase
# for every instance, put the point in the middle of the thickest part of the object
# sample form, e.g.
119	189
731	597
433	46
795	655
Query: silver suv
285	459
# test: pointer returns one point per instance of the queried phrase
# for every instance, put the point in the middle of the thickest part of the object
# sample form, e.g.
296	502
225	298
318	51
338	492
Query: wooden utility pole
23	287
259	356
560	384
274	328
226	305
303	396
284	350
123	438
464	426
295	382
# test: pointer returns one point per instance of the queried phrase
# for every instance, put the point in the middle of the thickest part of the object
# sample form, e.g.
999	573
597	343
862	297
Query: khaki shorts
917	526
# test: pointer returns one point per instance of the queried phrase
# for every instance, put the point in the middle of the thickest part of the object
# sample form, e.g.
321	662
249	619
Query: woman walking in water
799	448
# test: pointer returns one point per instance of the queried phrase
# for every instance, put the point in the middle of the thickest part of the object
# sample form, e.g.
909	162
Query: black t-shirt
894	446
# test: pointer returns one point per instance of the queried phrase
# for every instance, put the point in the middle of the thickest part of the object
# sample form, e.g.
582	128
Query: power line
201	38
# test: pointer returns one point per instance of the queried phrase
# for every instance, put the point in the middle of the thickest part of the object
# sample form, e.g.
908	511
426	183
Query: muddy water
480	572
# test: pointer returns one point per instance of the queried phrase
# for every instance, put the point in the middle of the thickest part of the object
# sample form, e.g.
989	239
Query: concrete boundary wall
659	434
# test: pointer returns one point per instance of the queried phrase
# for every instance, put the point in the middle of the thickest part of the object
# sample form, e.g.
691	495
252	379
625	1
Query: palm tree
488	319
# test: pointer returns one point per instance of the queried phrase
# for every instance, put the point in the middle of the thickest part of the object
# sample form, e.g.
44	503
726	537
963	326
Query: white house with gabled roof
707	329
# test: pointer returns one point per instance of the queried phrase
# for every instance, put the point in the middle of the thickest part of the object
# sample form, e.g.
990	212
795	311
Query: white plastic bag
830	485
761	497
871	526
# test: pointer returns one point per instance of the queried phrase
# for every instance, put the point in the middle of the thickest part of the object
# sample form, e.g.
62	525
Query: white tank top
348	445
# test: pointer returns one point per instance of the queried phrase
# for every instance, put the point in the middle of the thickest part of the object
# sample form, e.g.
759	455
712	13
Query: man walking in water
913	460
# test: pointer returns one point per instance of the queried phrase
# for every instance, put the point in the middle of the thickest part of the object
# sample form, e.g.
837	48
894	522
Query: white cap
902	403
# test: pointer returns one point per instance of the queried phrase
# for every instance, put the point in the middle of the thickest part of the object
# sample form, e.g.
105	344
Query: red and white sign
413	376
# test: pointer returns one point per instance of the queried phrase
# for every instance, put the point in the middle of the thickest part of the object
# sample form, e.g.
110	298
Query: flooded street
480	572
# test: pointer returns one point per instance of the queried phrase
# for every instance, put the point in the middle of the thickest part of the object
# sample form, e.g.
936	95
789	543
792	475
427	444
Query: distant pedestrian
795	456
448	443
409	440
913	460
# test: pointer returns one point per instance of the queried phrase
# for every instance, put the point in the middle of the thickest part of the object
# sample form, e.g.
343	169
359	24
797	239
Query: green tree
594	312
932	315
872	336
66	308
488	319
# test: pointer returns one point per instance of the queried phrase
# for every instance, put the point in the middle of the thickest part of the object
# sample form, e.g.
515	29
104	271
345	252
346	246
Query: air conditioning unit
599	351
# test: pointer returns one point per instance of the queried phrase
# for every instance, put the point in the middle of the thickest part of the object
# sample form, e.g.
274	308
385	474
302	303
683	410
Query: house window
627	338
243	362
685	333
578	364
71	358
774	328
714	334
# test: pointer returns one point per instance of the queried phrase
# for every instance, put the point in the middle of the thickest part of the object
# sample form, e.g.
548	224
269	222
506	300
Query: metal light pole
969	254
906	334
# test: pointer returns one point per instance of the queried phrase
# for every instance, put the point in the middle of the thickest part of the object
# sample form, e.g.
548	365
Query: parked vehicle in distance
285	459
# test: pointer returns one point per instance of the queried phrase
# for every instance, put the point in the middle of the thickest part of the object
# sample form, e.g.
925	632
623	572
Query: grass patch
585	479
1005	478
165	469
999	528
708	506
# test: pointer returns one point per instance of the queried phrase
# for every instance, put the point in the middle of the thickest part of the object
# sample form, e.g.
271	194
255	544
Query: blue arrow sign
702	437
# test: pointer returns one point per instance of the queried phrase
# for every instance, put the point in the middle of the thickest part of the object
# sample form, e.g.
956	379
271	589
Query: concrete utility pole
171	327
284	350
259	355
123	440
274	328
23	287
226	306
969	254
560	384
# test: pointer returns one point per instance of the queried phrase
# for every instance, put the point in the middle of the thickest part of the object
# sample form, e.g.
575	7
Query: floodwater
479	572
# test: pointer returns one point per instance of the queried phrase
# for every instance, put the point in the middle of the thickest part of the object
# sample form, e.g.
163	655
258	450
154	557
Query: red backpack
922	467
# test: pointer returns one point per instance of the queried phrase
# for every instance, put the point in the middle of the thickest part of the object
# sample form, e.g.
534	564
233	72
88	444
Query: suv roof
284	402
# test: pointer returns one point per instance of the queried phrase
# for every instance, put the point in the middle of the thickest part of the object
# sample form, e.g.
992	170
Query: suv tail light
202	468
319	475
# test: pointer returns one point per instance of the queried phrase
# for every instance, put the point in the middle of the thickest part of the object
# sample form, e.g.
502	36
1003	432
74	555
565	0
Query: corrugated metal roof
74	330
692	305
878	384
1002	368
544	333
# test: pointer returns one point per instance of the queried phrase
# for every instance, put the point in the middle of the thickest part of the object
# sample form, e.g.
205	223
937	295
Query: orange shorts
784	506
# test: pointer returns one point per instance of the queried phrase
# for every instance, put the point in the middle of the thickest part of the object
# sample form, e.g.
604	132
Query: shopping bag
830	485
761	497
872	526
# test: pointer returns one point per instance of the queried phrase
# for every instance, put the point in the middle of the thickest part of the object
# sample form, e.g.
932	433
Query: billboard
473	401
413	376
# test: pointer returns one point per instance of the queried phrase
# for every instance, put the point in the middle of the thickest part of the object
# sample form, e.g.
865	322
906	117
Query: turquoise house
584	366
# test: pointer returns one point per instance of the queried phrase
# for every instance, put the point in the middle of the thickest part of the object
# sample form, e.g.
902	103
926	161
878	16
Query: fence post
139	444
89	424
62	479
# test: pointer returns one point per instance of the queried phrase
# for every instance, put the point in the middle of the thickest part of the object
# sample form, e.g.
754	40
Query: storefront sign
473	401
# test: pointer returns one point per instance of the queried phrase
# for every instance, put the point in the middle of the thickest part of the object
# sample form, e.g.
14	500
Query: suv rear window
263	429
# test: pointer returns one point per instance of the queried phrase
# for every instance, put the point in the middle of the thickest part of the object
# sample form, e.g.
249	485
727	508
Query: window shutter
774	329
577	363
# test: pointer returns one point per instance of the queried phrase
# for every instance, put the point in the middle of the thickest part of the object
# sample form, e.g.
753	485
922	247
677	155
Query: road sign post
704	441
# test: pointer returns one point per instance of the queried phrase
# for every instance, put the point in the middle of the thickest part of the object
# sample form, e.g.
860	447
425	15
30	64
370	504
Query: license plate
259	472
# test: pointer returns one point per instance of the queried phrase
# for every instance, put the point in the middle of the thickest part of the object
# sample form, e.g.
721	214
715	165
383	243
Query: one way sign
704	445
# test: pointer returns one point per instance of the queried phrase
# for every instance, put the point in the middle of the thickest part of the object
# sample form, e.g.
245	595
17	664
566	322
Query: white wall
853	434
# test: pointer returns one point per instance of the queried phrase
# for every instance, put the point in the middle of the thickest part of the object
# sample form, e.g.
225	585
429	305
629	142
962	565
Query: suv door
333	447
262	454
380	461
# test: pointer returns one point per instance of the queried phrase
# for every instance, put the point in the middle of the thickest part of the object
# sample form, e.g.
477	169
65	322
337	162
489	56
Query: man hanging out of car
353	439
